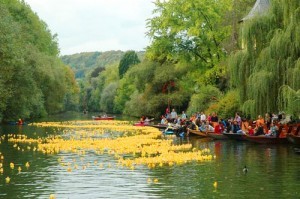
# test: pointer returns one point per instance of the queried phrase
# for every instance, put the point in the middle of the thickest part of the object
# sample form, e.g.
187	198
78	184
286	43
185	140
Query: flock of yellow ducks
132	146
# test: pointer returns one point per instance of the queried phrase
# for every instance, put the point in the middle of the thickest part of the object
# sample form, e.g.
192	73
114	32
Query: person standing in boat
167	112
173	115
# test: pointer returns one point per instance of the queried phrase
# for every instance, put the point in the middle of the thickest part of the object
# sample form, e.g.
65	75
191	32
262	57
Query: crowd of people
212	123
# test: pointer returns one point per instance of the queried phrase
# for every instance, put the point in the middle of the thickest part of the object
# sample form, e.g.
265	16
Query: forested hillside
33	80
91	63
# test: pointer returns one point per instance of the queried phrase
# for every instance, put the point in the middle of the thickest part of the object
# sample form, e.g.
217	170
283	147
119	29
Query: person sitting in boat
260	121
142	119
20	122
250	130
202	127
183	116
218	128
178	121
163	120
147	121
192	125
198	122
273	130
236	127
259	130
208	127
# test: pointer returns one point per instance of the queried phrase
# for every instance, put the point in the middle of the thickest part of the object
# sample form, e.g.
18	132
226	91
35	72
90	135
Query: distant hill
86	62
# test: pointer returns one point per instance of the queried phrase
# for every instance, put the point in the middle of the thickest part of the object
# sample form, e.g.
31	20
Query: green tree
266	71
191	30
33	80
129	58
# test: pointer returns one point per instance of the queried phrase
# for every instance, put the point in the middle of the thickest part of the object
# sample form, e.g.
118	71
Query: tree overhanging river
98	159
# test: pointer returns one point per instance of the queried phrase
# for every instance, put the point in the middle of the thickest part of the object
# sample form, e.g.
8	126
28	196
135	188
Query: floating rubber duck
215	184
52	196
12	165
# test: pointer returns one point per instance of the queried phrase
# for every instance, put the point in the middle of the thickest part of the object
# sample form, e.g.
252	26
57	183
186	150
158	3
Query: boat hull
197	132
160	126
217	136
235	136
266	139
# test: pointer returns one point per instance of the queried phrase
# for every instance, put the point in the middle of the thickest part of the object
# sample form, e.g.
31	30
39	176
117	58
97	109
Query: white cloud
96	25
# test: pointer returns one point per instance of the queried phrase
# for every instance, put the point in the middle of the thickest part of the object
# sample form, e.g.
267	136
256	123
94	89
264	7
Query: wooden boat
103	118
197	132
160	126
217	136
263	139
235	136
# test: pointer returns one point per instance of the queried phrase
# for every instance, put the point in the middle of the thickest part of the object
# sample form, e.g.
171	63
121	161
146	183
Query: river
273	172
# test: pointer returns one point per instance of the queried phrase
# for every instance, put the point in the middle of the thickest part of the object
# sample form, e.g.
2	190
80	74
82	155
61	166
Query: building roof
260	7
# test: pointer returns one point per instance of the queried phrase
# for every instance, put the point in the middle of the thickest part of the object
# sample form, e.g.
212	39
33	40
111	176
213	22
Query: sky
96	25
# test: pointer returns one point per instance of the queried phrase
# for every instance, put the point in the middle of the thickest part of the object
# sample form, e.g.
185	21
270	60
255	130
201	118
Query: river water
273	172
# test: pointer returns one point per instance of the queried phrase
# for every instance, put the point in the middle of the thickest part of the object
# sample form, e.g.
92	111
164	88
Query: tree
33	80
191	30
129	58
267	71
